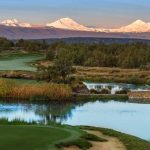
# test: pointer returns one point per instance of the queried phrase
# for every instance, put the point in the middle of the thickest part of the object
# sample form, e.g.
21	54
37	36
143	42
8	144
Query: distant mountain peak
68	24
139	22
66	19
136	26
15	23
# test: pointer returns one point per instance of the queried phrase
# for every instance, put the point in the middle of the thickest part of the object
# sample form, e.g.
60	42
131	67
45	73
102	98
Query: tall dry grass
6	86
50	91
57	91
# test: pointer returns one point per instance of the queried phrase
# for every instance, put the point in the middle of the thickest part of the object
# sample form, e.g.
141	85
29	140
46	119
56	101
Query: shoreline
81	97
77	136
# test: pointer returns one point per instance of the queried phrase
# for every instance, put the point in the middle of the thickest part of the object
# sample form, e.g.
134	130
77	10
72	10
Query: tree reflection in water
55	111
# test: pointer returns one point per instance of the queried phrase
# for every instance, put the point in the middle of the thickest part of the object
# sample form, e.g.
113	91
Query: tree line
21	44
132	55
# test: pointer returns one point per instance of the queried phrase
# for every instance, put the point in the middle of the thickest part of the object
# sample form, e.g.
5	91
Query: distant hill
94	40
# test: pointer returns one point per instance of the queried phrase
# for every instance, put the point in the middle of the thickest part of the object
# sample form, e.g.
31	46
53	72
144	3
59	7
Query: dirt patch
111	144
72	148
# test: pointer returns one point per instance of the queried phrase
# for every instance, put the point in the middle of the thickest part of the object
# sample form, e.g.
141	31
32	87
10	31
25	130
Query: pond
20	63
130	118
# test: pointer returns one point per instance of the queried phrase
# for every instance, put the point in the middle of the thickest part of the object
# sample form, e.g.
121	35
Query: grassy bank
42	91
29	136
25	136
104	97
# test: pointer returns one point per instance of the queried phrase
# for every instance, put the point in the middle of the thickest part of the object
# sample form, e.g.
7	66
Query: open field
106	74
98	74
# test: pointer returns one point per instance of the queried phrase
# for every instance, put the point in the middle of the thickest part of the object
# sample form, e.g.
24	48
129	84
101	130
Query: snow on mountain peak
139	22
66	20
68	24
137	26
15	23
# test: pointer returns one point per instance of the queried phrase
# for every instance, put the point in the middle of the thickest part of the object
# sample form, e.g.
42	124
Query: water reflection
126	117
55	112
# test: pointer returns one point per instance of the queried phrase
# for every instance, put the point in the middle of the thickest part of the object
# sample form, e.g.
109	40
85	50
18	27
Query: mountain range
66	27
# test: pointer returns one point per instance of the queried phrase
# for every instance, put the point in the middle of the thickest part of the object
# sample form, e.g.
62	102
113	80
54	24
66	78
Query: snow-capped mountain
138	26
68	24
15	23
66	27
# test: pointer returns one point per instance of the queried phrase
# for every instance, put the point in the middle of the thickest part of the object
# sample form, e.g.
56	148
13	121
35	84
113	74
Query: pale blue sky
103	13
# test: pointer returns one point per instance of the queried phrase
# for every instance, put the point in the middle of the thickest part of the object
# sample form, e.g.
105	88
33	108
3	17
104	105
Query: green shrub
81	143
91	137
105	91
93	91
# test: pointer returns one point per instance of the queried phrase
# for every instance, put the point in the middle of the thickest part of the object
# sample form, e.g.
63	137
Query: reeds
5	87
50	91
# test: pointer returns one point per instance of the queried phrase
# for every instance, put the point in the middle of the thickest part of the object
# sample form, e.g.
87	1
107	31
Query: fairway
32	137
19	62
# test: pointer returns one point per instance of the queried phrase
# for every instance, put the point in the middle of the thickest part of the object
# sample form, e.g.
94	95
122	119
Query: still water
126	117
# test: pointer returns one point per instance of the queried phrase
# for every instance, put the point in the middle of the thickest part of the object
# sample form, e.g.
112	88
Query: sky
100	13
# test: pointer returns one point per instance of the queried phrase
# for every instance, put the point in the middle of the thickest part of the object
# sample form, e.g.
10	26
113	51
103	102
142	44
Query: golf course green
34	137
19	61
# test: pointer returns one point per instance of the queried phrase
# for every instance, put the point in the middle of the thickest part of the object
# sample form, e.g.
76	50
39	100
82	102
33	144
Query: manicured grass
34	137
20	135
19	61
25	136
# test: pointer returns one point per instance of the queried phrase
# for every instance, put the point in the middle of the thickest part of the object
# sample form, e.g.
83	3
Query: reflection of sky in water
129	118
18	112
126	117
